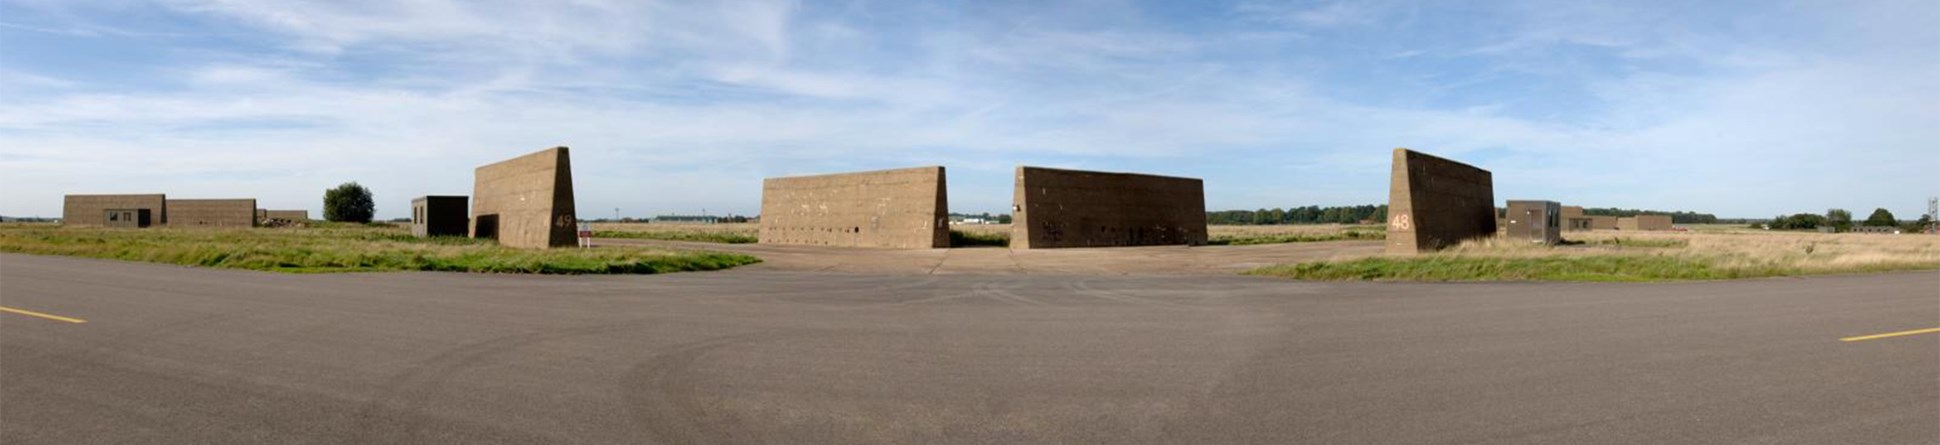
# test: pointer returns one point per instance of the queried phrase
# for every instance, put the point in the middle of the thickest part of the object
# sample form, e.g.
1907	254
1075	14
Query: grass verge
702	237
347	249
1345	235
960	238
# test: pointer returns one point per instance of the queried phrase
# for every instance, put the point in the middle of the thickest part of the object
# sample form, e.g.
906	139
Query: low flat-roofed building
211	213
440	216
1535	221
1644	222
95	210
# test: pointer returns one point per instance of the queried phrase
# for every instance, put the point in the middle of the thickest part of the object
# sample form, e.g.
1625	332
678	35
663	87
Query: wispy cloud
675	107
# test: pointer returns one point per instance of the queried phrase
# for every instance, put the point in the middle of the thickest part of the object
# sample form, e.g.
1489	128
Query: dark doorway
487	227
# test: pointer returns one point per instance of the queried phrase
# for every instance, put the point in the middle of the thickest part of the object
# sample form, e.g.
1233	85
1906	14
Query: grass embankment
1640	257
347	249
699	237
1311	237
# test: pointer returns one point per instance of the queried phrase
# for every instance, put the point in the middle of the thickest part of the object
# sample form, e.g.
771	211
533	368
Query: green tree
1881	218
349	203
1919	226
1839	219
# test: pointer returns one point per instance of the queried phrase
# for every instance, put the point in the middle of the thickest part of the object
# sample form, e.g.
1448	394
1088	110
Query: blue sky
1743	109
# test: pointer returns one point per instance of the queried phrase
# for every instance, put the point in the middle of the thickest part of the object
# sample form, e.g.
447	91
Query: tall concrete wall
1435	203
1073	208
192	213
90	210
1645	222
903	208
526	201
1602	222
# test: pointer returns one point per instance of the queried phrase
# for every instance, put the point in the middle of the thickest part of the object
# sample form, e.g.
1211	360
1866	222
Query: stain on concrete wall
440	216
191	213
903	208
1054	208
91	210
1435	203
526	201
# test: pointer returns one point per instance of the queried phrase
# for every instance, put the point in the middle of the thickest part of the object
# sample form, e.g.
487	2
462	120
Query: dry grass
1714	253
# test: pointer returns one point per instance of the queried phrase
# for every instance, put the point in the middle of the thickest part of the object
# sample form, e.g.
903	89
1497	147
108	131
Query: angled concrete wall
1073	208
192	213
903	208
91	210
526	201
1435	203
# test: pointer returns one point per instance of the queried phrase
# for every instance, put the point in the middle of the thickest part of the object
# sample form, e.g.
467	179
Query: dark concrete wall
191	213
526	201
440	216
1535	221
1645	222
89	210
903	208
288	215
1073	208
1435	203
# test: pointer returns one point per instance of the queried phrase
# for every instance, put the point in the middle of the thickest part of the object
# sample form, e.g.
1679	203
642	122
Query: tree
1881	218
1802	221
348	203
1839	219
1919	226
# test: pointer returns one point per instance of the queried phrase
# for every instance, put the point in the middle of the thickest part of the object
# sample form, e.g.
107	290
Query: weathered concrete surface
437	215
1535	221
1055	208
903	208
1139	260
191	213
526	201
1601	222
1645	222
91	210
1435	203
288	215
212	357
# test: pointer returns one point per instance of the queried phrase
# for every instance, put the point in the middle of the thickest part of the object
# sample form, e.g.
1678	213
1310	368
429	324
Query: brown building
902	208
1645	222
1073	208
1535	221
287	215
1435	203
211	213
439	216
114	210
526	201
1602	222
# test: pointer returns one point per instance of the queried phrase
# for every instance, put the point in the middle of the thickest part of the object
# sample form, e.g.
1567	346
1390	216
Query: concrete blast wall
211	213
903	208
526	201
1435	203
1645	222
91	210
288	215
1072	208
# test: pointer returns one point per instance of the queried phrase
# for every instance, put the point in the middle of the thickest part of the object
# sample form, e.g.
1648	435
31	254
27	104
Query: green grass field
1640	256
347	249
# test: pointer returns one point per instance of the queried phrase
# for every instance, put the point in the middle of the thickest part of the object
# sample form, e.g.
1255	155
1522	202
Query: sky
1740	109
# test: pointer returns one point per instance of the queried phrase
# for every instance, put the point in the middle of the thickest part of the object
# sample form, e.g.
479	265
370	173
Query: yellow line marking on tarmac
1891	334
41	315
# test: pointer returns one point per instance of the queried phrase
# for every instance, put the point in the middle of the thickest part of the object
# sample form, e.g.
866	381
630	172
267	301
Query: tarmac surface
182	355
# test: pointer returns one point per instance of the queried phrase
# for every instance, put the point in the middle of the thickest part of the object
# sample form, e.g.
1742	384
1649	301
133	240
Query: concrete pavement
183	355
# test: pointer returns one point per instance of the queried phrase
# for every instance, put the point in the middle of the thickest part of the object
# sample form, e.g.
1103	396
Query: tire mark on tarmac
997	291
1083	287
395	413
660	393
